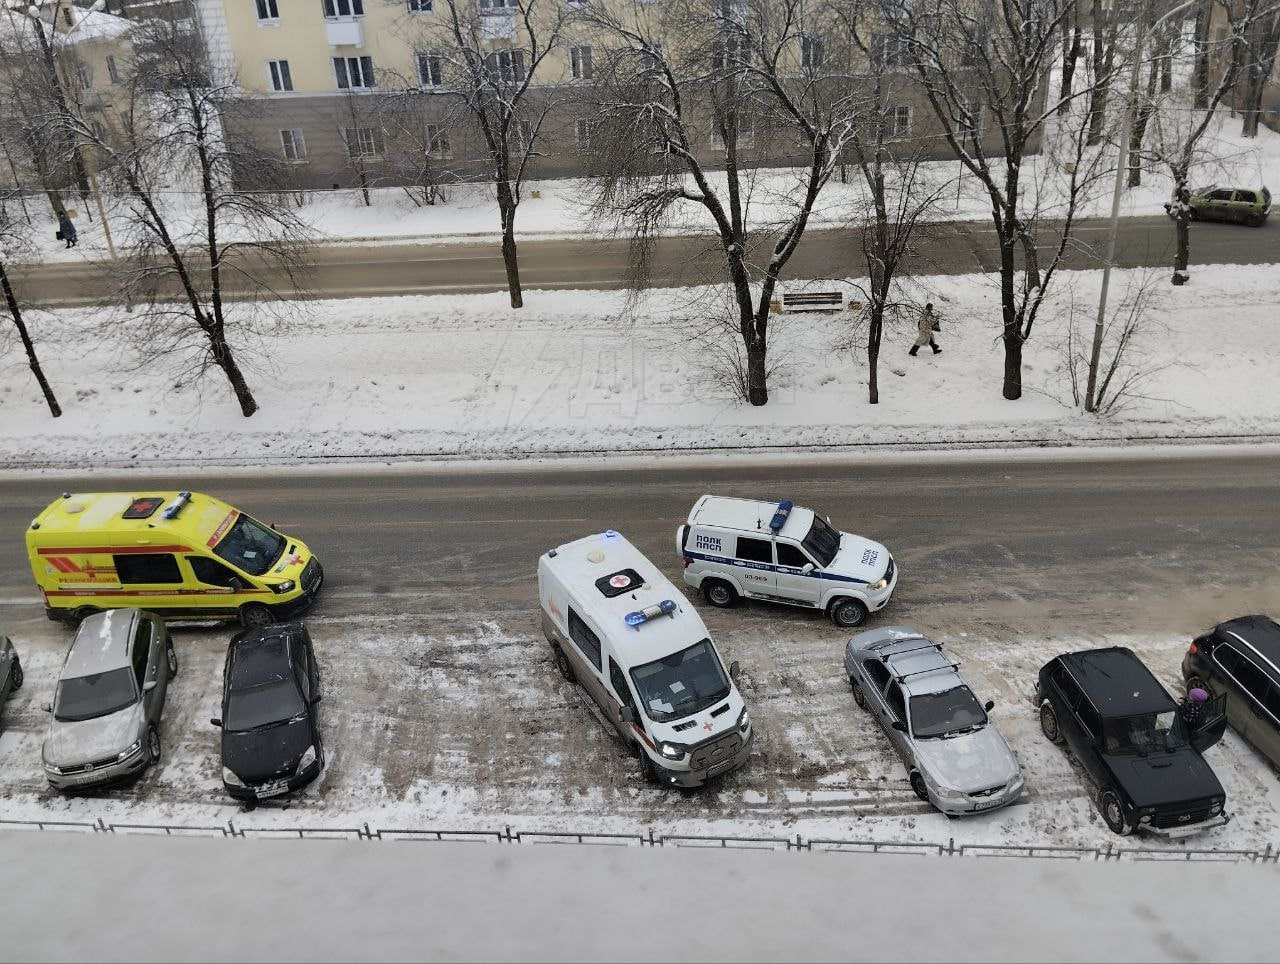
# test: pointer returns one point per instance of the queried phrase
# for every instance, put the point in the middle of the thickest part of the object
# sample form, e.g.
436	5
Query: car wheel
153	744
917	784
719	593
858	696
255	616
562	663
1049	723
848	613
172	657
1256	220
16	677
1113	814
1191	215
648	772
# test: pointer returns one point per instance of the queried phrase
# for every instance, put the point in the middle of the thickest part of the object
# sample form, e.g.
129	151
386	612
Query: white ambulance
780	552
629	636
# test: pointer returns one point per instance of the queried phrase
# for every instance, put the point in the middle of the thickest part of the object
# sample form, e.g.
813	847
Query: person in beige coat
927	325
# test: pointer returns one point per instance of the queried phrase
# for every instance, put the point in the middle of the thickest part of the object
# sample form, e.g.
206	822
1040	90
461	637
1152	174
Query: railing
798	844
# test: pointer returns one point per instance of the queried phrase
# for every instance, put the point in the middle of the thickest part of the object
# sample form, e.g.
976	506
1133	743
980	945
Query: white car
780	552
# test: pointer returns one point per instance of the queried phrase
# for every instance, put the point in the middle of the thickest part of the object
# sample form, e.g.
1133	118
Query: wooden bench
809	301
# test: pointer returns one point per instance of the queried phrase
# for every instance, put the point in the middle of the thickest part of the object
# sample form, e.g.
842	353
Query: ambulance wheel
16	676
648	772
719	593
172	657
848	613
255	616
562	663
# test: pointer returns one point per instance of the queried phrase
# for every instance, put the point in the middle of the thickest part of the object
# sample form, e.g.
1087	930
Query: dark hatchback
1239	660
1126	730
270	687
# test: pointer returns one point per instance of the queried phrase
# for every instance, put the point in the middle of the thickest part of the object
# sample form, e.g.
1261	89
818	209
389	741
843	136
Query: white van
627	634
780	552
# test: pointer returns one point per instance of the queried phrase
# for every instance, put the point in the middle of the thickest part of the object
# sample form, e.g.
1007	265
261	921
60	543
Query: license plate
987	804
272	789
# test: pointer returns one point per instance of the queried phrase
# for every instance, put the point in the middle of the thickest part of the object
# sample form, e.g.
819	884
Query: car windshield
681	684
1144	733
823	542
87	697
251	546
953	711
259	707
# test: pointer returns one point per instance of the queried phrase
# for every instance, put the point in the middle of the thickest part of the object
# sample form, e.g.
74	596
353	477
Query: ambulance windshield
681	684
251	546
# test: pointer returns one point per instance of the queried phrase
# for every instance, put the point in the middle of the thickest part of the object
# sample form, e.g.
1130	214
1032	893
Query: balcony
344	32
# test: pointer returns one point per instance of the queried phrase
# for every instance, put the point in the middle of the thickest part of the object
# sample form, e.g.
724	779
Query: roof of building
1117	682
610	579
101	643
749	515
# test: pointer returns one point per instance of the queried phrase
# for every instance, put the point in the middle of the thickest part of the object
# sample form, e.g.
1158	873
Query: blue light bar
173	508
641	616
780	517
610	535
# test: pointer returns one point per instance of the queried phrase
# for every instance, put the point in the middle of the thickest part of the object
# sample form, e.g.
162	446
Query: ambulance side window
213	573
619	681
149	567
584	638
755	550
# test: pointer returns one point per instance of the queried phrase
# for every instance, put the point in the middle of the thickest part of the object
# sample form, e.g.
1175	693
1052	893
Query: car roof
1117	682
921	662
95	519
580	563
259	656
101	643
1260	632
750	516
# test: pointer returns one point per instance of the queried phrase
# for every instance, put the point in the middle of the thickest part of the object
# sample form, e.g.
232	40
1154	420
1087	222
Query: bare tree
1105	24
1260	59
417	141
746	74
14	236
1109	365
981	67
180	261
1071	53
489	54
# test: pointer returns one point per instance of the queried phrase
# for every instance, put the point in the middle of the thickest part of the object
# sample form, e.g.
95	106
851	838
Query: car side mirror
828	518
989	705
734	670
216	722
628	715
273	527
899	726
807	568
148	686
47	707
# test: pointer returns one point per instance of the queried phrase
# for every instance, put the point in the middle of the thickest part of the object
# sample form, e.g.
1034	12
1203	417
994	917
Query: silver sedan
955	758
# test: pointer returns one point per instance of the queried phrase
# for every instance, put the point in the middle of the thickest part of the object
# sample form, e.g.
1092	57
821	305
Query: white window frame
506	72
420	6
746	135
279	77
584	133
580	62
83	75
332	11
438	144
497	6
272	10
808	46
295	143
367	142
899	129
425	79
113	71
364	64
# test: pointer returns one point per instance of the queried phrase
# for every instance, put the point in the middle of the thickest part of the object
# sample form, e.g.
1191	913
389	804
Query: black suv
1239	660
1127	731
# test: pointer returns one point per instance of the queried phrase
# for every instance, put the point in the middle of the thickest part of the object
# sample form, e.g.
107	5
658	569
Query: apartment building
363	91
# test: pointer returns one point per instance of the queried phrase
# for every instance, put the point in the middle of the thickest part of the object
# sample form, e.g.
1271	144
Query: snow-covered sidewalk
465	376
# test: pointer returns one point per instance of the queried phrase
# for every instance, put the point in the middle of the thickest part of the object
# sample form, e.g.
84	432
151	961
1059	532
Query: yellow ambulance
182	555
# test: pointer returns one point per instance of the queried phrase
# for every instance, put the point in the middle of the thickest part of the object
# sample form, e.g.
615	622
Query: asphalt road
396	268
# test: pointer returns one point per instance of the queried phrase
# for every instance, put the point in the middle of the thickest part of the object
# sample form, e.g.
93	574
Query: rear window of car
1248	197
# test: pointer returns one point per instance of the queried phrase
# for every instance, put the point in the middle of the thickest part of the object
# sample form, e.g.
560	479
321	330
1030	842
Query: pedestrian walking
927	325
66	230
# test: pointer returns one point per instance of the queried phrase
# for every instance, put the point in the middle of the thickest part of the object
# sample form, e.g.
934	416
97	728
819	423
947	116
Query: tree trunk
1140	127
226	361
1182	253
1104	56
15	310
1012	337
874	334
1200	68
507	211
1070	55
757	388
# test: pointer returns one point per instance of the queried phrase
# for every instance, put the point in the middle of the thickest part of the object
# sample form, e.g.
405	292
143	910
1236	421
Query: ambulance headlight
672	751
280	588
877	586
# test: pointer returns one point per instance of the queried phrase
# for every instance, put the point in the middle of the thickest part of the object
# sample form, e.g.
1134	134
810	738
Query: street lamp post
1122	164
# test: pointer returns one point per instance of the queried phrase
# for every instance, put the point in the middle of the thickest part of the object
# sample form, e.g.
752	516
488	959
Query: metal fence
797	843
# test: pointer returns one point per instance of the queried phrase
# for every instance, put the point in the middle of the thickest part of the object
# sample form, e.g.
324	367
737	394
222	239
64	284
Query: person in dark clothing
67	228
1192	708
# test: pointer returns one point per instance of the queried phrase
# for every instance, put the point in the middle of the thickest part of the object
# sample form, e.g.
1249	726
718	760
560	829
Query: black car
270	686
1129	734
1239	661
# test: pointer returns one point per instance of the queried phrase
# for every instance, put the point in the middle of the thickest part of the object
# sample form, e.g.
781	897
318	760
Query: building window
279	73
746	134
99	131
811	53
438	142
420	6
584	128
343	8
901	121
112	71
84	75
730	53
522	137
507	66
295	148
580	63
268	10
890	50
365	142
430	70
498	4
67	18
354	73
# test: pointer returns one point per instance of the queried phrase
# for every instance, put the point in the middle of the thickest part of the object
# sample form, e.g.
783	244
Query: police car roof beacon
621	629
